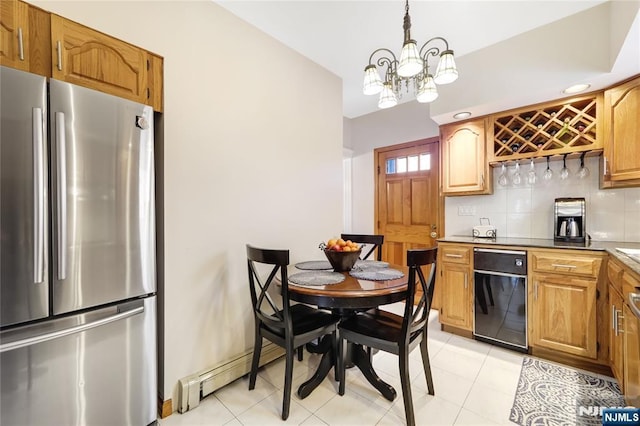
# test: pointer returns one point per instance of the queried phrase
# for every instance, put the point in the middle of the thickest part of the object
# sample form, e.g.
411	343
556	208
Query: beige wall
252	154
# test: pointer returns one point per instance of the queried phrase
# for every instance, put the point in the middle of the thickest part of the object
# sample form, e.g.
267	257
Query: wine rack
548	129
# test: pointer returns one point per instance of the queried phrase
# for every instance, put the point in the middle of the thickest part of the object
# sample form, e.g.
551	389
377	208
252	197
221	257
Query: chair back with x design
265	309
416	315
290	326
373	242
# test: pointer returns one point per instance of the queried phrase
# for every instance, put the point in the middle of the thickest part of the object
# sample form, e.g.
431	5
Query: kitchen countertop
608	246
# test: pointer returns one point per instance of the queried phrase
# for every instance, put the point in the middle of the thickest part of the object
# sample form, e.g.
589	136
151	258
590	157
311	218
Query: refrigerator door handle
37	122
61	184
30	341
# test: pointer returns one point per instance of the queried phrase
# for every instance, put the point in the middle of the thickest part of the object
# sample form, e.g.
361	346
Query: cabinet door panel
465	168
632	357
564	314
616	333
622	158
455	290
91	59
14	34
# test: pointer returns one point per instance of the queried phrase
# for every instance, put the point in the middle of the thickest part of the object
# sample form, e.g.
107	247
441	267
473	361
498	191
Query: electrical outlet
466	210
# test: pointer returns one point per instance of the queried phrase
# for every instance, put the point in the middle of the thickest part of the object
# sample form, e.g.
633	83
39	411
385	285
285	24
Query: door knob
434	234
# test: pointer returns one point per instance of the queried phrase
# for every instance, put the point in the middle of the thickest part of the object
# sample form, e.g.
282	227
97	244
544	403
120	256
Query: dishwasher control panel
503	261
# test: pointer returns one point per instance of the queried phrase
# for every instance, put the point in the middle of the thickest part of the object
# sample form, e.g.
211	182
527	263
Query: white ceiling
509	53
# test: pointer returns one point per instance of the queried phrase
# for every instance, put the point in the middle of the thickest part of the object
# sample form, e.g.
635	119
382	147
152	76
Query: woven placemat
377	274
316	278
370	264
314	265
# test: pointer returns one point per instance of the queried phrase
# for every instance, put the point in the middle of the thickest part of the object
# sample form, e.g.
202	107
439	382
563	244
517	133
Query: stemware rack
564	127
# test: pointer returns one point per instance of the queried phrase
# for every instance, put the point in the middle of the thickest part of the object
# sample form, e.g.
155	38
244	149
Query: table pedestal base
363	362
328	360
358	357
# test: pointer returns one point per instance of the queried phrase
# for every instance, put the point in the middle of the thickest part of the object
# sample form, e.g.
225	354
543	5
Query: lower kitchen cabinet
631	331
563	314
454	281
564	303
631	357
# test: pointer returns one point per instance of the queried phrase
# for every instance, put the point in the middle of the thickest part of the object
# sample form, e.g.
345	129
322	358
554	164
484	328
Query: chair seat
306	319
376	329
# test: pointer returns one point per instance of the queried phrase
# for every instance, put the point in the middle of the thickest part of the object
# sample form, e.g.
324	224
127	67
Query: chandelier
411	70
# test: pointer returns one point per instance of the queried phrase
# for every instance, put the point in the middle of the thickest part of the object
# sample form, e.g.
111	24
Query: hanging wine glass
516	178
502	179
583	173
548	174
531	175
564	173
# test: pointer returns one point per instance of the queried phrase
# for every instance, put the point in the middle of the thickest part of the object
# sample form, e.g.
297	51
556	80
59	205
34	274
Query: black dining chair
373	242
397	334
290	326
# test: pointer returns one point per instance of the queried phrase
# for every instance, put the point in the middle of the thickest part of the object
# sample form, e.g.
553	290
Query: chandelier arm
383	59
432	51
435	49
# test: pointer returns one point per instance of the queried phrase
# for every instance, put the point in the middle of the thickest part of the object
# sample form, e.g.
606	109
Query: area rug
551	394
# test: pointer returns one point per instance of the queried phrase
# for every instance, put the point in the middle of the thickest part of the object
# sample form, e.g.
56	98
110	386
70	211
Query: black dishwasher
500	295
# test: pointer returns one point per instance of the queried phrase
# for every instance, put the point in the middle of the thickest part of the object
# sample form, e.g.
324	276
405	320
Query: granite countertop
608	246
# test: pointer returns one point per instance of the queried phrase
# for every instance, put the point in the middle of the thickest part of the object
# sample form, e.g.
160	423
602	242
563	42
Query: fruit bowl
342	261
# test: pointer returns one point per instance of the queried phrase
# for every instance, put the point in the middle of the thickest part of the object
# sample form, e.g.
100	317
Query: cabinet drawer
455	254
563	264
629	285
614	273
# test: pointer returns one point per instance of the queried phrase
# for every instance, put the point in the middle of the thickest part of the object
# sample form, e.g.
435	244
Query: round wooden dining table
347	298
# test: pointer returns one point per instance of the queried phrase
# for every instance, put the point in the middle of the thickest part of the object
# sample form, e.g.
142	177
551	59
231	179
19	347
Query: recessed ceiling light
576	88
463	114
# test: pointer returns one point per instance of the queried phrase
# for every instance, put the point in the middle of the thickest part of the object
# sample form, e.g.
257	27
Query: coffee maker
570	220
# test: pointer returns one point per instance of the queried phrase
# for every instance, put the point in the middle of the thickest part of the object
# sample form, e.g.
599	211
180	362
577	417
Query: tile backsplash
526	211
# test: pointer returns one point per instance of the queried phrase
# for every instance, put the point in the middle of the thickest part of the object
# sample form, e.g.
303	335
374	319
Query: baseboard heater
197	386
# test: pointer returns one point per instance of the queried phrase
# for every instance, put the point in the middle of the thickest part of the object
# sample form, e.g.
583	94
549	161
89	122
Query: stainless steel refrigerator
77	256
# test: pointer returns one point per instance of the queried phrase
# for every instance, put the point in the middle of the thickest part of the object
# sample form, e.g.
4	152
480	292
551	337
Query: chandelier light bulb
372	83
410	63
388	98
446	72
428	92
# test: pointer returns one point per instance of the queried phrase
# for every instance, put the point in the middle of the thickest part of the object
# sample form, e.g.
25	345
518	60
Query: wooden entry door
408	207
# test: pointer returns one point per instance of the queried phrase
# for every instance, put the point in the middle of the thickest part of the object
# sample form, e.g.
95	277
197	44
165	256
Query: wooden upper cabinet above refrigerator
14	34
91	59
621	159
24	37
465	169
43	43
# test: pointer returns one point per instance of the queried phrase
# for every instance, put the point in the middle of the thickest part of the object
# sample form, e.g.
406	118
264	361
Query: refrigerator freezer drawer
96	368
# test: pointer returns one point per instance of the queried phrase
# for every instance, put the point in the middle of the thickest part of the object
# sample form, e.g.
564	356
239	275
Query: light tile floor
474	382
